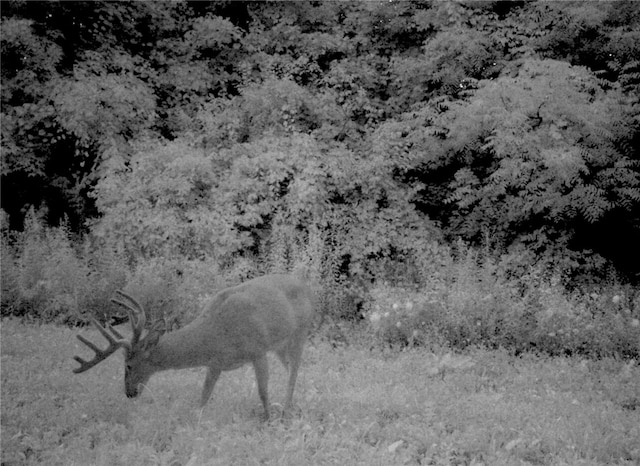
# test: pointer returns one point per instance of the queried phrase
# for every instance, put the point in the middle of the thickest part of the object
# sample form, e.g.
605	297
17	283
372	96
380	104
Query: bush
455	296
175	289
10	276
477	300
46	277
49	278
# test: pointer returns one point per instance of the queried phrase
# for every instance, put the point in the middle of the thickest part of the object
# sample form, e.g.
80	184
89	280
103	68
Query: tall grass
474	298
48	277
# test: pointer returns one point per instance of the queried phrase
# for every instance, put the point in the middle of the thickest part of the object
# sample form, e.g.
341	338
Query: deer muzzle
132	390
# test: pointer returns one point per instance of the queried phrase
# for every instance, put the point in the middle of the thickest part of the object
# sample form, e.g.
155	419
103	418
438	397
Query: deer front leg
261	367
209	383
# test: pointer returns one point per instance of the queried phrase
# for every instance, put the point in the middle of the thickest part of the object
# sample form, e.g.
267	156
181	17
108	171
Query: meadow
354	405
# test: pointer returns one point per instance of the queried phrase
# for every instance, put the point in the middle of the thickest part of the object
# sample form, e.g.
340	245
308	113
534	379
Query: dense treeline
396	122
357	134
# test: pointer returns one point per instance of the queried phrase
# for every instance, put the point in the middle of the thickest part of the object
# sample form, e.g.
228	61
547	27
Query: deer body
239	326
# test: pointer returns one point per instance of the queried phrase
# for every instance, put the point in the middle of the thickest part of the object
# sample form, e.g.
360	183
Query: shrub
177	289
45	276
46	281
164	202
10	276
311	252
403	317
477	300
154	283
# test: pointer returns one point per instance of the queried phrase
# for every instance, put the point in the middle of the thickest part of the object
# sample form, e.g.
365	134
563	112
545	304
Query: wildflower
399	324
635	322
375	318
395	306
408	305
386	314
552	334
615	299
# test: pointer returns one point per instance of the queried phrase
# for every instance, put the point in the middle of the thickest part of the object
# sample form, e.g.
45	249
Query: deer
238	326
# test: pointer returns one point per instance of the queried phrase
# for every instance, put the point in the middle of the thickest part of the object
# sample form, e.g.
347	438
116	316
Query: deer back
240	324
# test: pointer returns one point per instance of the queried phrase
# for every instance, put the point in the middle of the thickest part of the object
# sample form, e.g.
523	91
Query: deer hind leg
209	383
261	368
294	355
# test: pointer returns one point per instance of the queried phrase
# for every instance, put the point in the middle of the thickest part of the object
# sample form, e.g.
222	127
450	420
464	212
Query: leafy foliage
351	136
537	157
45	276
474	299
161	202
100	106
574	160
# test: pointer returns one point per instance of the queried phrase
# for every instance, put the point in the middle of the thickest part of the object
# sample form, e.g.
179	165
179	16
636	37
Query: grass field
355	406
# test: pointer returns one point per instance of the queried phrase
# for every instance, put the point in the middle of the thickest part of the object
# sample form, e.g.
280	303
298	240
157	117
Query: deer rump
244	322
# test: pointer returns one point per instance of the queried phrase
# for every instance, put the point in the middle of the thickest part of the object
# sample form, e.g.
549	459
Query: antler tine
101	355
115	332
137	315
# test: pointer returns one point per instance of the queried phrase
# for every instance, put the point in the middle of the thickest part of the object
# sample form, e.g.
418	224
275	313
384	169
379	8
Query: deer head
138	367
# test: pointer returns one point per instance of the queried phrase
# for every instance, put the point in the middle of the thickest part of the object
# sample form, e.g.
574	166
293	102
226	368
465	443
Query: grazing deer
240	325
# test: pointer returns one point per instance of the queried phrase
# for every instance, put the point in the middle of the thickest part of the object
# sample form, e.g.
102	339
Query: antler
137	316
101	355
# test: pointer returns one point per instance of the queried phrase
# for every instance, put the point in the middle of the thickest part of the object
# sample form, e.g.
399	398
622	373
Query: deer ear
155	332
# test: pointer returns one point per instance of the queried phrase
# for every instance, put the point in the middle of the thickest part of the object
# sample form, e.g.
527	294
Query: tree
162	201
539	158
